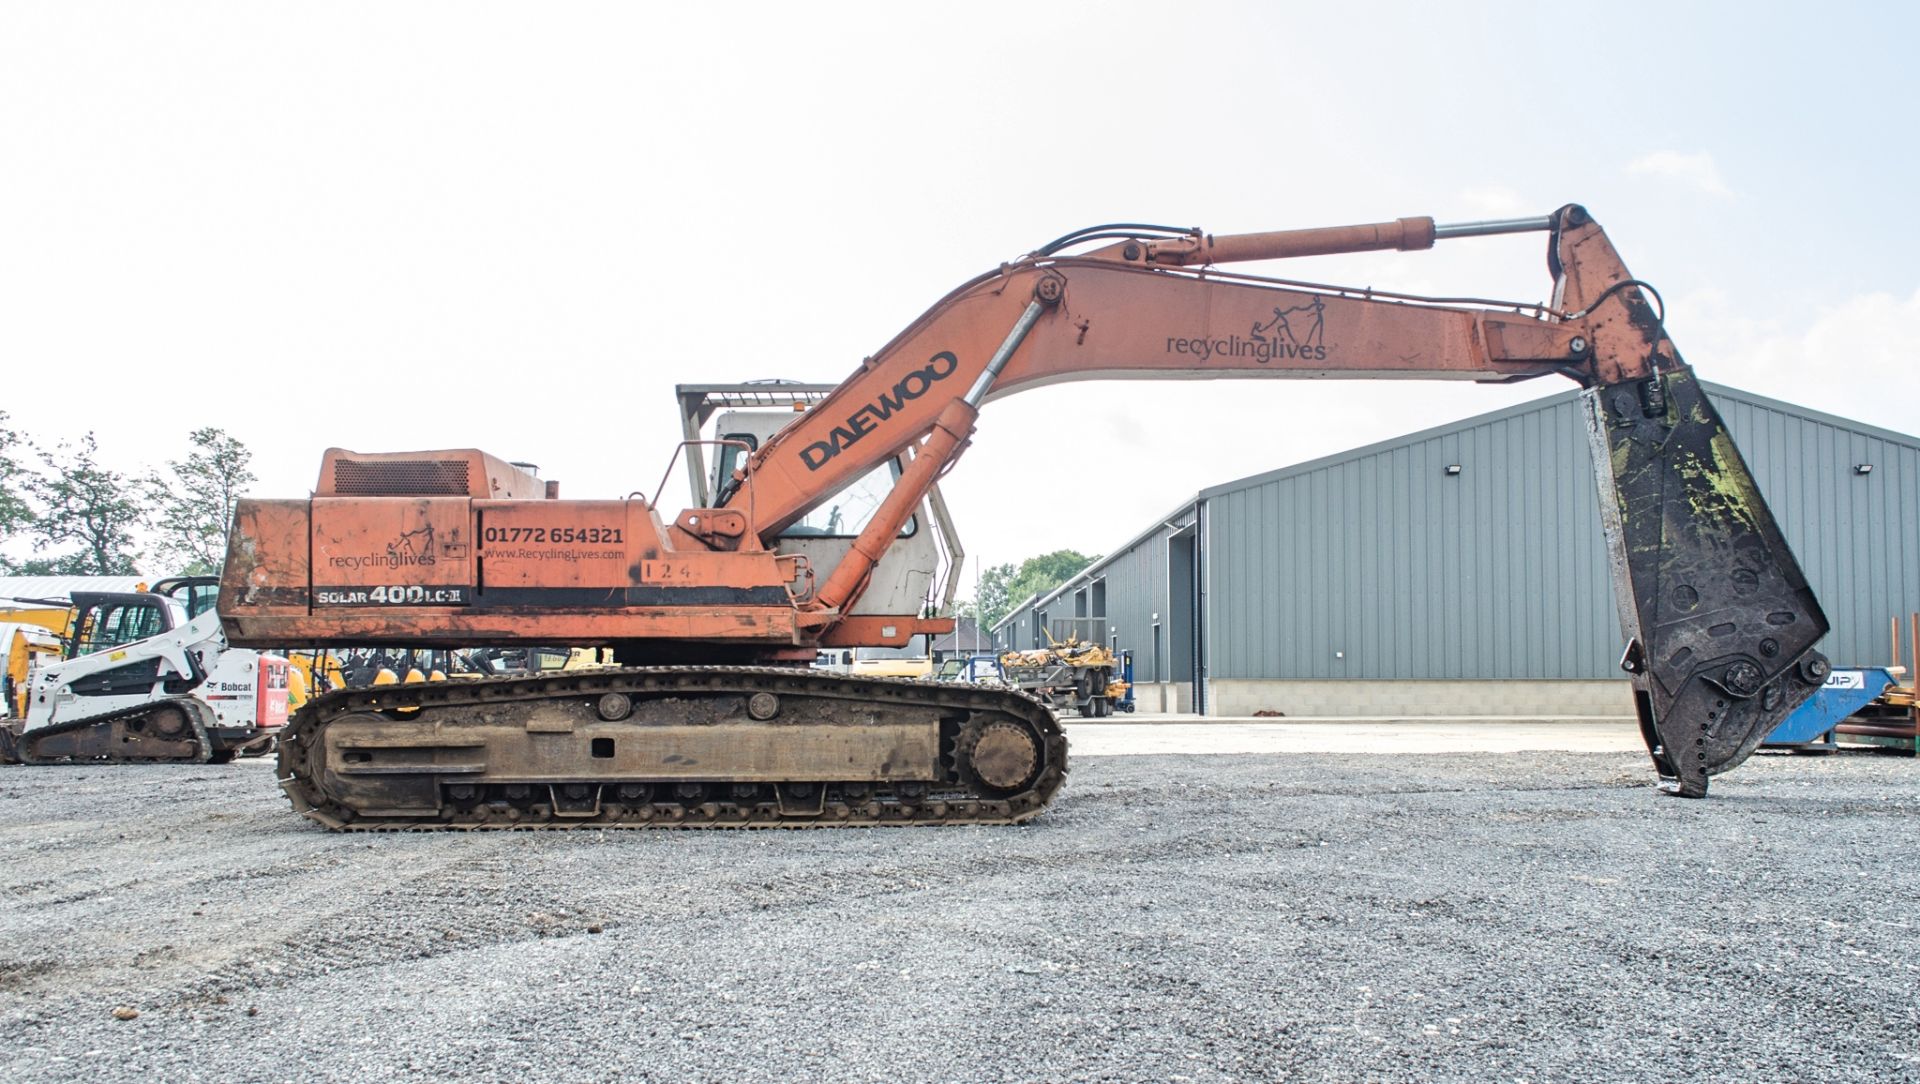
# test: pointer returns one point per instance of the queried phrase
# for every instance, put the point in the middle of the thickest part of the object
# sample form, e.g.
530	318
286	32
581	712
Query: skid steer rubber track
672	747
164	732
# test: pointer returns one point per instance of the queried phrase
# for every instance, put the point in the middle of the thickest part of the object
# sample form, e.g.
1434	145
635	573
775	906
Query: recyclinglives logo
413	548
1293	334
867	417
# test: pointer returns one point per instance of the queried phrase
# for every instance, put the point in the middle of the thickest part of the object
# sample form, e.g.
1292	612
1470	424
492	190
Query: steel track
302	745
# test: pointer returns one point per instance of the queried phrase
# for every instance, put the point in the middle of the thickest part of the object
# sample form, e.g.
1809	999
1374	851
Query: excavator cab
917	571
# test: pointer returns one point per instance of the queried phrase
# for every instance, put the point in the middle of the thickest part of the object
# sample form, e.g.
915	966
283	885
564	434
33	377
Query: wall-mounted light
1863	468
1453	469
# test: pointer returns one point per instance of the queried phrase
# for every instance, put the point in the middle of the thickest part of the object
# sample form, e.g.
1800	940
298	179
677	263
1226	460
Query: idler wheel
1005	757
168	722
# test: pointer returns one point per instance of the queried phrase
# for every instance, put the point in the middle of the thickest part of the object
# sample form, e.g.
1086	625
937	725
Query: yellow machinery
24	648
314	673
1069	674
908	668
55	617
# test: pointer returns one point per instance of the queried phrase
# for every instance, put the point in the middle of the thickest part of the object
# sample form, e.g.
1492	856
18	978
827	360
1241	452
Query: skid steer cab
148	676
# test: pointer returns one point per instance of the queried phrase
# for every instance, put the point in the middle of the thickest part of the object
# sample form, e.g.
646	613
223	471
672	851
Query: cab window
846	513
729	458
199	598
112	626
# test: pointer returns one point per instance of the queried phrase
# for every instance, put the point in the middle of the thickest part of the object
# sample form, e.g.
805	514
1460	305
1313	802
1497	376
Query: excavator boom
457	548
1719	622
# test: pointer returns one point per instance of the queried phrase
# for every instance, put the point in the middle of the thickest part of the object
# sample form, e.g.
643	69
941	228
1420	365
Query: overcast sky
390	226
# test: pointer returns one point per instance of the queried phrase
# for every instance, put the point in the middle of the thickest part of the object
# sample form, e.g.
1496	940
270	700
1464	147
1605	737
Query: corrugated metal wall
1015	630
1384	566
1857	536
1380	565
1136	592
1377	564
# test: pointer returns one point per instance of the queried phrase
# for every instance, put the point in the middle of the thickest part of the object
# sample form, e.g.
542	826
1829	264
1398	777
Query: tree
990	602
82	502
1041	574
193	504
79	563
1003	587
15	513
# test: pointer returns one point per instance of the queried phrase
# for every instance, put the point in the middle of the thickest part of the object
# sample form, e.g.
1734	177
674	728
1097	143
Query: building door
1183	633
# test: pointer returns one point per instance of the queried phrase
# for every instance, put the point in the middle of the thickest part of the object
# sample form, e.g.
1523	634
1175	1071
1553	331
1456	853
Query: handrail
746	465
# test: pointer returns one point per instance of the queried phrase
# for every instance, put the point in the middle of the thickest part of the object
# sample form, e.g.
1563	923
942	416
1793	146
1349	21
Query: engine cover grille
401	478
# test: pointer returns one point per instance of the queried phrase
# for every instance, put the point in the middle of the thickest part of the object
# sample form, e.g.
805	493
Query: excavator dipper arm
1719	622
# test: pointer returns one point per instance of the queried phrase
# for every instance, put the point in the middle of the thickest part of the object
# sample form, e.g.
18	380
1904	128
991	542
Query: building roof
63	587
1015	612
1715	392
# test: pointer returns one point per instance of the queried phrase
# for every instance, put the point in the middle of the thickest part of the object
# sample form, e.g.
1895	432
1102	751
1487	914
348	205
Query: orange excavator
712	718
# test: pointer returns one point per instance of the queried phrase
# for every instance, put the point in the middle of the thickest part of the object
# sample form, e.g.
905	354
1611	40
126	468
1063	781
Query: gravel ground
1537	917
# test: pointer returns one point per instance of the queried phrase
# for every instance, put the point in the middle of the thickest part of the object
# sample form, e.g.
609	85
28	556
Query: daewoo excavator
712	719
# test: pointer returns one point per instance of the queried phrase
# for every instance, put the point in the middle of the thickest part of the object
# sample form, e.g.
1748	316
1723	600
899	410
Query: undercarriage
672	747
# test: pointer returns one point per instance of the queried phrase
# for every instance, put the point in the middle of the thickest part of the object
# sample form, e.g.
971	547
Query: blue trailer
1810	727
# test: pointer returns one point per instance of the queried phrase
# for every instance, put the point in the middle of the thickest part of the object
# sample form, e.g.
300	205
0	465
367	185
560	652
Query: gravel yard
1321	916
